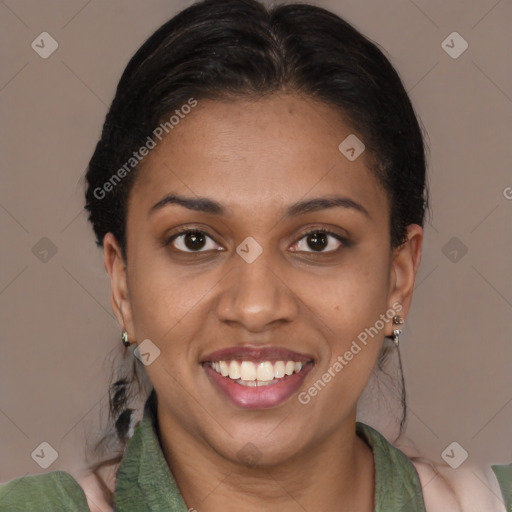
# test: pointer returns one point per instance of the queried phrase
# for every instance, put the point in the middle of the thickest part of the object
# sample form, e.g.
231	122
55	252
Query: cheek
164	299
352	296
350	305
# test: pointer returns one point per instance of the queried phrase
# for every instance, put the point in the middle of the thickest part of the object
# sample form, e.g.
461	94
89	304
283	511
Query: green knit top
145	483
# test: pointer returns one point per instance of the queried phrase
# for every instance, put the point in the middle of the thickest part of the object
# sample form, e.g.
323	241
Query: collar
397	484
145	482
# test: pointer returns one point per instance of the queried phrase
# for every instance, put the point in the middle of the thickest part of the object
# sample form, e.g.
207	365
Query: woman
259	191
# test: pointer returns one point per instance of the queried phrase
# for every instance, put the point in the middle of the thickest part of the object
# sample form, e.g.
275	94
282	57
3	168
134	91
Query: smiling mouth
257	373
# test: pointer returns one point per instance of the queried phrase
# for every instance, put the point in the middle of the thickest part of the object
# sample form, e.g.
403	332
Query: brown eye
192	241
318	240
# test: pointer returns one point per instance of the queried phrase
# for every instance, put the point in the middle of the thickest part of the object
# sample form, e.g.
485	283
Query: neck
336	474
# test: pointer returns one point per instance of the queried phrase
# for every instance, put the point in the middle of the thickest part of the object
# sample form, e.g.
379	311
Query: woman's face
257	176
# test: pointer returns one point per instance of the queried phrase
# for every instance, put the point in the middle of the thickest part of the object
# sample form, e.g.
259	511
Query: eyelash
185	230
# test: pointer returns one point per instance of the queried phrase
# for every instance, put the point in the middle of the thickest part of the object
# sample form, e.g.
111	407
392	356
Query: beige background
58	331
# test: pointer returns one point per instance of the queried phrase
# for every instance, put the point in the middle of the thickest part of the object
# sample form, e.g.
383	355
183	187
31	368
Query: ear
119	296
405	263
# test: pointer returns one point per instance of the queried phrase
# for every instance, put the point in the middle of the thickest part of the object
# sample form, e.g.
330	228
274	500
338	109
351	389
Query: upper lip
252	353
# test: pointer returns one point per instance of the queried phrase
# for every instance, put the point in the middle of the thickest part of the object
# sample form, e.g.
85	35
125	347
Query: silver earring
124	339
397	320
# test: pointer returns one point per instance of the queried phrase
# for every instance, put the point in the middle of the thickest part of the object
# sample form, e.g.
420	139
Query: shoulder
466	489
95	488
469	488
57	491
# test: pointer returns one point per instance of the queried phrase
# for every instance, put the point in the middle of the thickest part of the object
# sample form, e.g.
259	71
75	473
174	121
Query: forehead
257	154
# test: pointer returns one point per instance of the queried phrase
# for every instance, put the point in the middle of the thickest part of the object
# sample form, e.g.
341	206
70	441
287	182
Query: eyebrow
206	205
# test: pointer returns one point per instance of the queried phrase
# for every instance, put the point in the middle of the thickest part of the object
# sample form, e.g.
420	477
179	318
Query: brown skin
256	158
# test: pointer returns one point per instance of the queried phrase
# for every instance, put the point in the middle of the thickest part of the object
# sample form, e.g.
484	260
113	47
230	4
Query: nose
256	295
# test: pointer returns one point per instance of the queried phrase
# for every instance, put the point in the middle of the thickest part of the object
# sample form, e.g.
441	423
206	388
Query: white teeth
265	371
234	370
249	373
279	367
290	366
248	370
254	383
224	368
248	383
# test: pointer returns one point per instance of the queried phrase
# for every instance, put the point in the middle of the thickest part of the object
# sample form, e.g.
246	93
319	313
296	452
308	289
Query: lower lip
258	397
